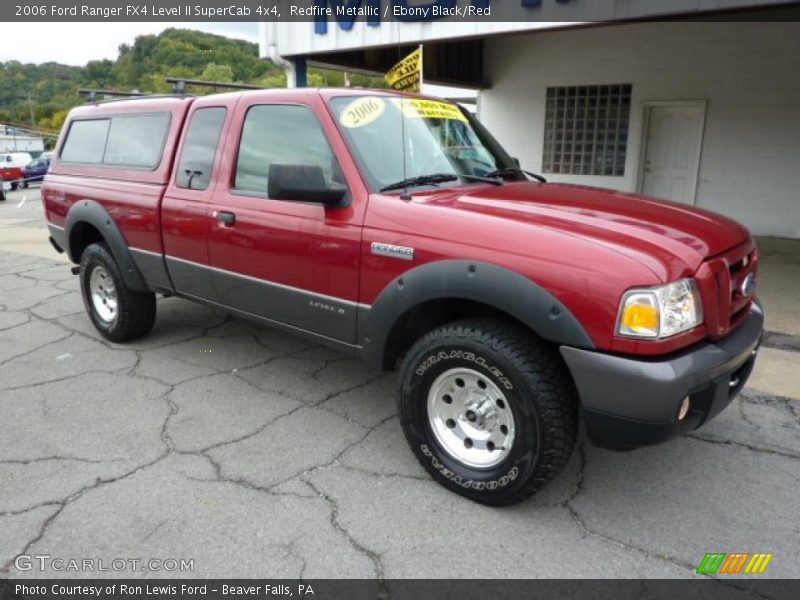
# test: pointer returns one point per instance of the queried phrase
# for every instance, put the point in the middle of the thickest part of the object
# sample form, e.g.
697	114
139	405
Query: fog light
685	406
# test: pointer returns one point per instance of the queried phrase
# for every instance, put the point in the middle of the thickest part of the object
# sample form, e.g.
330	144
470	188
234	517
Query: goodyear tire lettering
469	483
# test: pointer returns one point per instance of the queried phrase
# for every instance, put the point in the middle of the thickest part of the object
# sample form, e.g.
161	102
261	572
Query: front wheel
117	312
489	410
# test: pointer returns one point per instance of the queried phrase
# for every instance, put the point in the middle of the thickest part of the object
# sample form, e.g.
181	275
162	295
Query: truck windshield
438	138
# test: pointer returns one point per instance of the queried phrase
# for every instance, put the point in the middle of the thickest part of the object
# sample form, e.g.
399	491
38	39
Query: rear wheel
117	312
489	410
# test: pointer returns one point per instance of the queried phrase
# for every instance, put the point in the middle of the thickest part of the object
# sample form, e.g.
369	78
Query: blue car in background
35	170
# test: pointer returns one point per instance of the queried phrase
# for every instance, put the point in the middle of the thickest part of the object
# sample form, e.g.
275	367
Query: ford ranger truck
396	229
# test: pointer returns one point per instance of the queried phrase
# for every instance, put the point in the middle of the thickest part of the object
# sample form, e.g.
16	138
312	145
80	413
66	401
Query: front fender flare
93	213
476	281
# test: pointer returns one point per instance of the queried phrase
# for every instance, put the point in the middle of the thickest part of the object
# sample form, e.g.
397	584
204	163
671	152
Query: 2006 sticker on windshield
367	109
362	111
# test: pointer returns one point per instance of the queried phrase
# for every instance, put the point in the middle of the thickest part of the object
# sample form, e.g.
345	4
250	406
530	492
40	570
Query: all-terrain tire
505	361
133	314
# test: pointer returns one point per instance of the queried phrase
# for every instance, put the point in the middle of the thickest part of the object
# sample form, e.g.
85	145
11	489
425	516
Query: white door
672	151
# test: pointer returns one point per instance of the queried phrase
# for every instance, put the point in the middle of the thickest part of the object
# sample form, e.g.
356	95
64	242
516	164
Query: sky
42	42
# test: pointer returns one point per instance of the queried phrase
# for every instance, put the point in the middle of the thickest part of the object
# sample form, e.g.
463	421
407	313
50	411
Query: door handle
228	218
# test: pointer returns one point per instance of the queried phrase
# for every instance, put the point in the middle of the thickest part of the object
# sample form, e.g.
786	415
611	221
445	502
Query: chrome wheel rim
471	418
104	294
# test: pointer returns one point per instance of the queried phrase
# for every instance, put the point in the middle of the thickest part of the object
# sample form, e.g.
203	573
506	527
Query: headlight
660	312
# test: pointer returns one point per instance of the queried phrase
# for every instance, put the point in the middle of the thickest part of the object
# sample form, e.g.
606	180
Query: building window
586	129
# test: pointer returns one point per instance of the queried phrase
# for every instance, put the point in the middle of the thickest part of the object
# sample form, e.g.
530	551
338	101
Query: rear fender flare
93	213
486	283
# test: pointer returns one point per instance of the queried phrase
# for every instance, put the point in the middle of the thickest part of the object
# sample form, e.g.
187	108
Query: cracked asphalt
255	453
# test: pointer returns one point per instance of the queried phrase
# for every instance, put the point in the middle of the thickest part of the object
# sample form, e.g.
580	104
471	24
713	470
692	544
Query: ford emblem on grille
748	283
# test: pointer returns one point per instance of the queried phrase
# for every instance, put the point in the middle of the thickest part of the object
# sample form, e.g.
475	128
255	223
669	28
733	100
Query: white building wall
748	72
10	143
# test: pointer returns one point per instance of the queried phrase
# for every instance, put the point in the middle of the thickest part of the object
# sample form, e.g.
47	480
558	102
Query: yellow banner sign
429	109
406	75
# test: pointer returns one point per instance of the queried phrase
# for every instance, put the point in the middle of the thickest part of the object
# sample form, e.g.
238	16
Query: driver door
293	263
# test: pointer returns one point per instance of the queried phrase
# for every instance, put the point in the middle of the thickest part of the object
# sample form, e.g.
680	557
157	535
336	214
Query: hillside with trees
41	95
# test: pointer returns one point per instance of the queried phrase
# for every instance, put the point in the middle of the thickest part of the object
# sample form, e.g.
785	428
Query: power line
36	130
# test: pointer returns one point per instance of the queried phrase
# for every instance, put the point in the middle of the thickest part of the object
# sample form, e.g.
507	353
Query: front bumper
629	402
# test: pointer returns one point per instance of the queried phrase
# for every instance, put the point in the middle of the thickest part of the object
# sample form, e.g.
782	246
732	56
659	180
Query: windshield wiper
432	179
484	178
435	179
514	171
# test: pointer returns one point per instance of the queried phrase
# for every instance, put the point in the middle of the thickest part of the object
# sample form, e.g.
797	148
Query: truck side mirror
304	183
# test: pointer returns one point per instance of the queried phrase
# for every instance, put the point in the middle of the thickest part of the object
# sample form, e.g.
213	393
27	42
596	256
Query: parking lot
252	452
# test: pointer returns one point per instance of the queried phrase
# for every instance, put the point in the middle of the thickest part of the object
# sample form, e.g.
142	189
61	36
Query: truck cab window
200	148
86	141
122	141
279	133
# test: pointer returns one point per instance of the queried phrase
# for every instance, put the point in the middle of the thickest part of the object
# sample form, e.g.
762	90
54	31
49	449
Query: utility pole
30	104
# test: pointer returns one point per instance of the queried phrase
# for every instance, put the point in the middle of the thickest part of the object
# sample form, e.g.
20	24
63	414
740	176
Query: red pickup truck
395	228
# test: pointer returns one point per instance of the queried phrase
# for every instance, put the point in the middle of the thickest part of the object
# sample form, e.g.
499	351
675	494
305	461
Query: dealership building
701	106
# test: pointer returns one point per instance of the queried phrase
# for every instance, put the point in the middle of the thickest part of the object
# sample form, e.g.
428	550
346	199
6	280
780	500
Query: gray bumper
631	402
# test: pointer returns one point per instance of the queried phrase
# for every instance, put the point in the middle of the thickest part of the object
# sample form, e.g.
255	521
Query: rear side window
126	140
282	134
136	140
86	141
200	148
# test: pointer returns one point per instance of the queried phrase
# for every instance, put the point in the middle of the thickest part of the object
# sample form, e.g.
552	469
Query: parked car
511	307
11	165
35	171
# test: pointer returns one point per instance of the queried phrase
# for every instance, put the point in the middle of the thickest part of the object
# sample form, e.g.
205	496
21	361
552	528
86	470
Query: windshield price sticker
362	111
429	109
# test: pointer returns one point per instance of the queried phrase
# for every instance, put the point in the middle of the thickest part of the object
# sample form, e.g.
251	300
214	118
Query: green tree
49	90
55	121
215	72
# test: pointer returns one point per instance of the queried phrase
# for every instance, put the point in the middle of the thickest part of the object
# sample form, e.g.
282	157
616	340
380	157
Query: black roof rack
180	83
91	95
179	87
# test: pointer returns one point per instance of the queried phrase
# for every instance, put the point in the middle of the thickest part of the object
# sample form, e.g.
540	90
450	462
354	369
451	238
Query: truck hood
658	233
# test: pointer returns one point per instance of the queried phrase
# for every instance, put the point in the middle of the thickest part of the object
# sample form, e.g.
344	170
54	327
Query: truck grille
735	274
